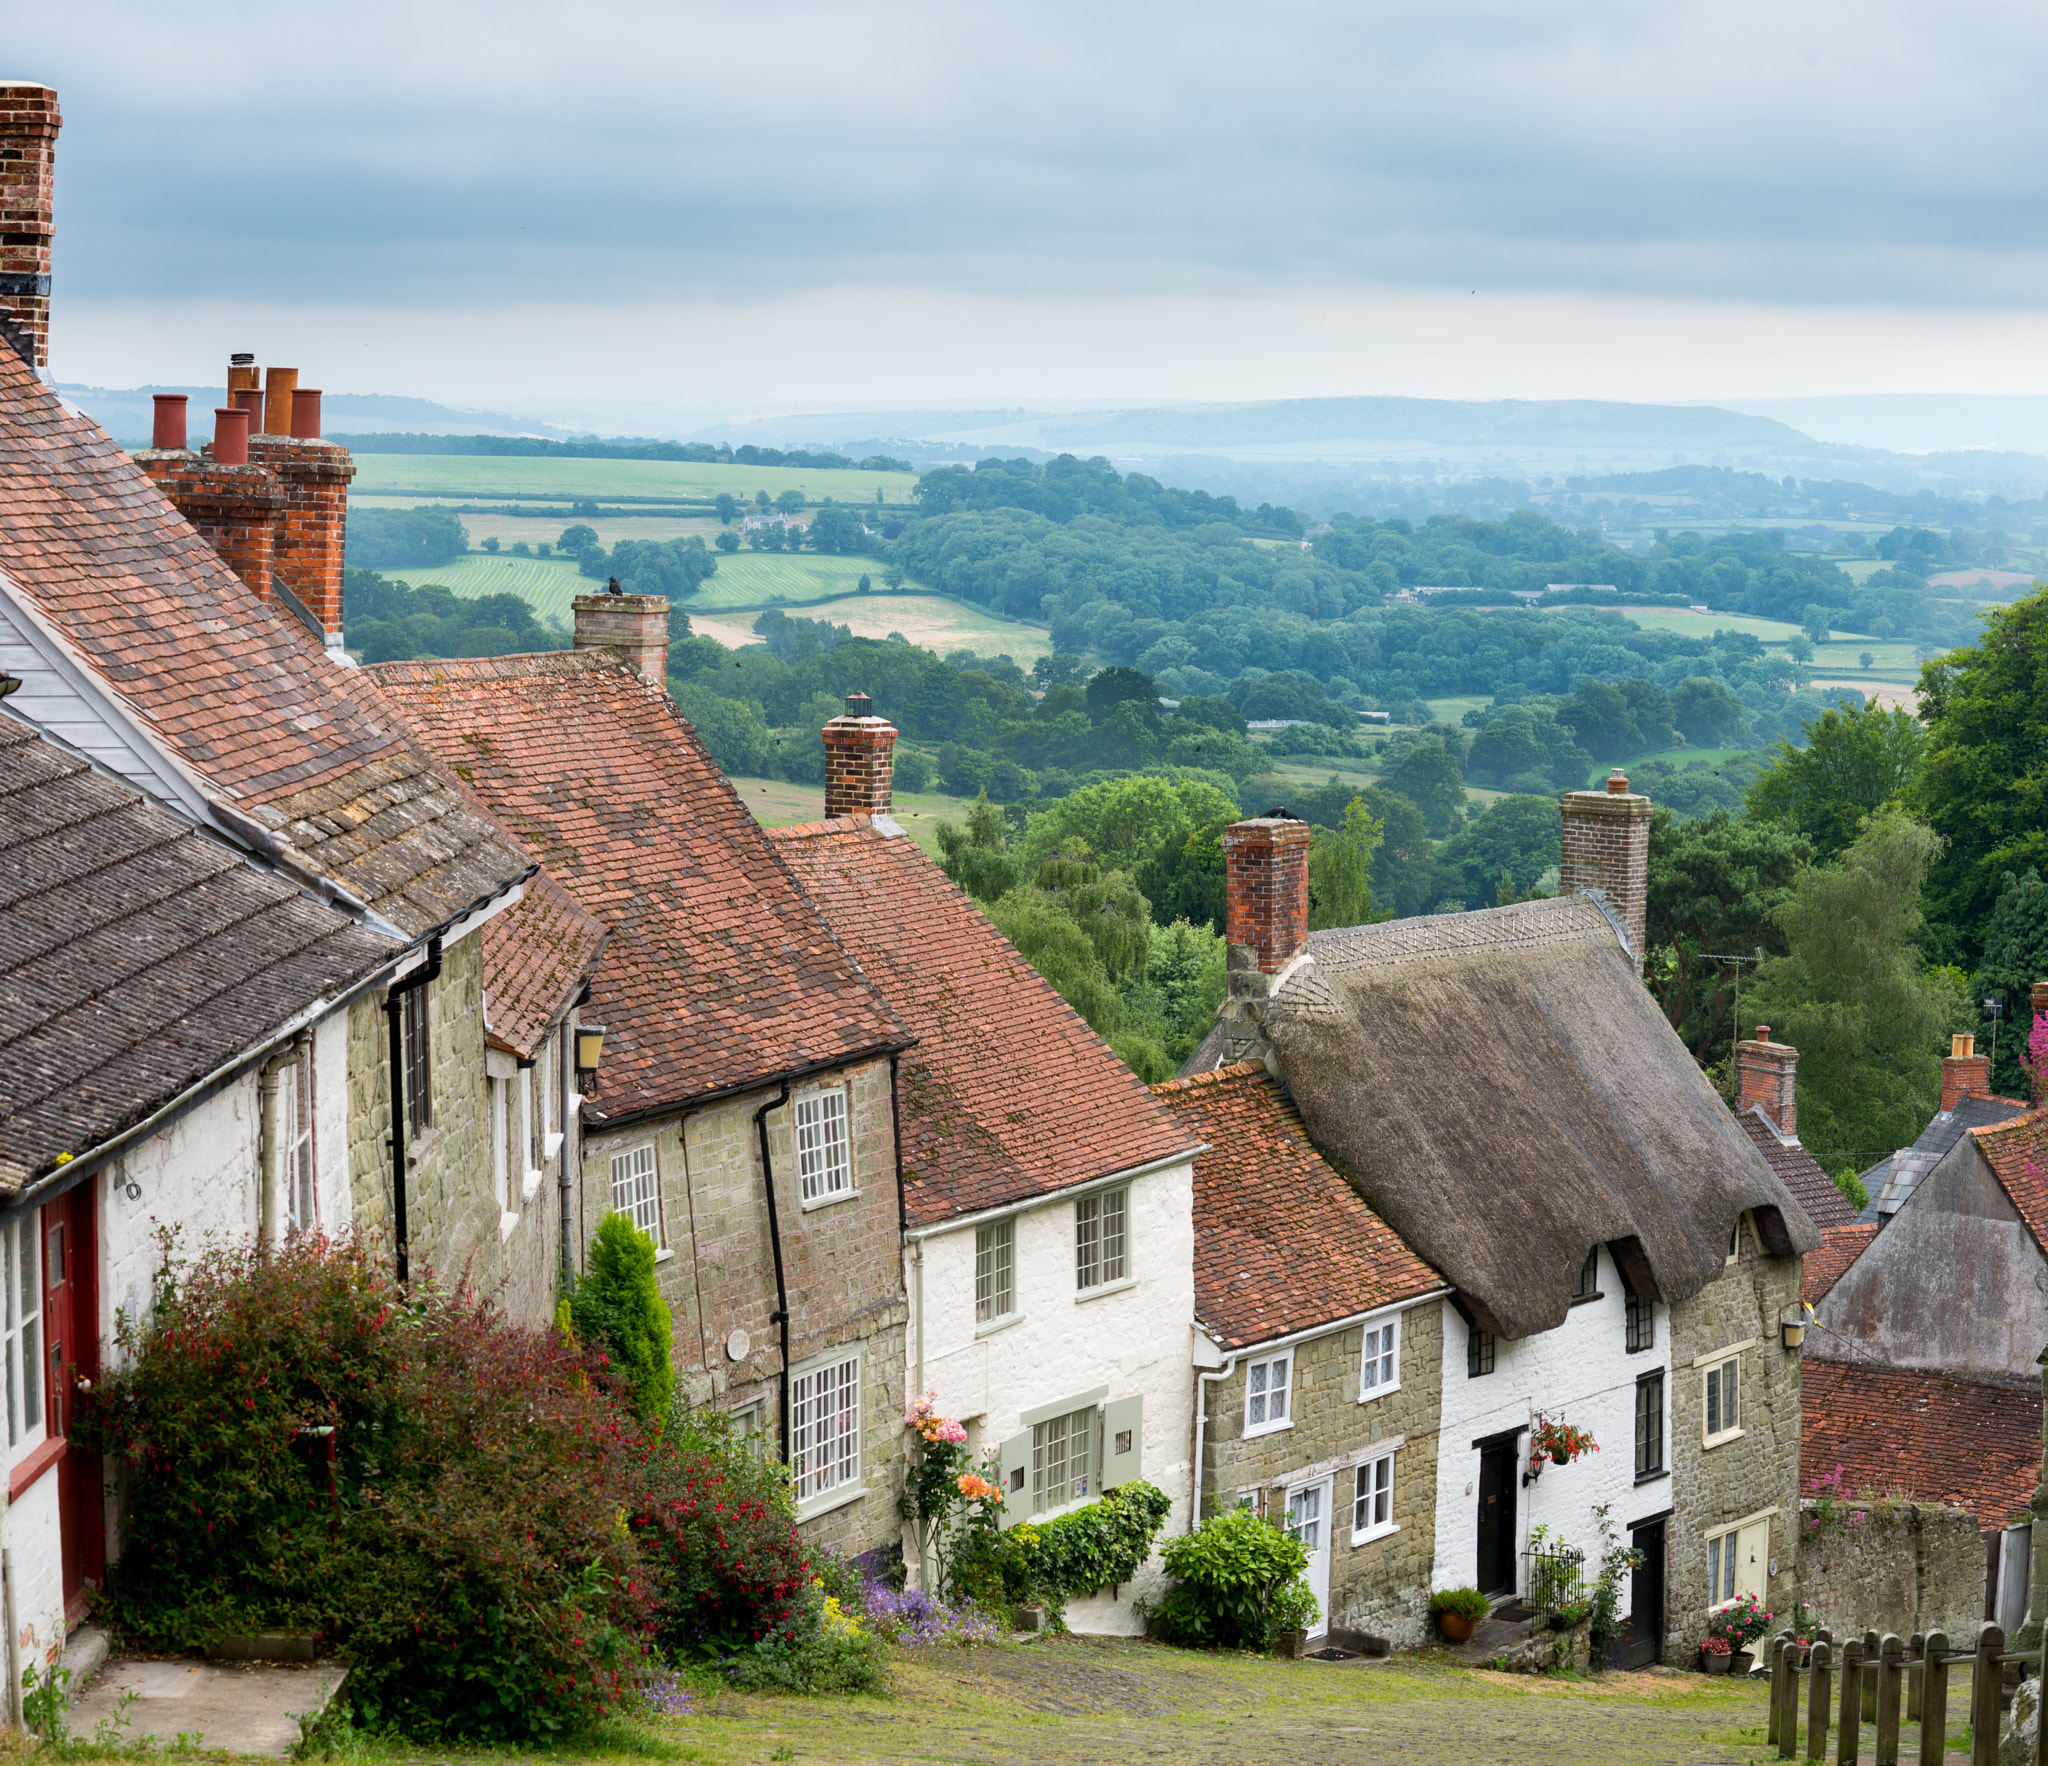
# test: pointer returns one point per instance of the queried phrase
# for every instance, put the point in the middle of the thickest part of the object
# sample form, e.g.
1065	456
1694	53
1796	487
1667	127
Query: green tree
1984	784
728	541
726	504
1184	984
1716	883
790	502
1113	687
1800	648
1813	625
1431	779
1519	839
1854	995
577	540
976	856
1853	764
1060	669
1708	715
1106	906
1340	870
1047	938
763	502
617	1306
1123	822
2015	957
1184	877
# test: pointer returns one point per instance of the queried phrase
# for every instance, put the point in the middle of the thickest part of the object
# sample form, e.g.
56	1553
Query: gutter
780	1316
958	1222
690	1105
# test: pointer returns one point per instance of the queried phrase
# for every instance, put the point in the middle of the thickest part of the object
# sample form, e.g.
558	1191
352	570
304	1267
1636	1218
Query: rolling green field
764	579
934	622
481	475
551	584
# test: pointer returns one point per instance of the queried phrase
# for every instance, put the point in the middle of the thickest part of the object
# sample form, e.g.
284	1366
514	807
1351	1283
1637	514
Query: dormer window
1586	1284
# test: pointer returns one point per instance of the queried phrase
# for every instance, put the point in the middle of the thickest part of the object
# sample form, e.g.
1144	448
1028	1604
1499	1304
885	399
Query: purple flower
663	1693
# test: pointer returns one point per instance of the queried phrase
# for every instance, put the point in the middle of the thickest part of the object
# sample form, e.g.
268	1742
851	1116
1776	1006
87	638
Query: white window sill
1371	1392
664	1255
529	1183
506	1222
998	1324
832	1499
421	1144
1372	1533
1722	1439
828	1201
1102	1290
1052	1514
1279	1428
551	1145
575	1103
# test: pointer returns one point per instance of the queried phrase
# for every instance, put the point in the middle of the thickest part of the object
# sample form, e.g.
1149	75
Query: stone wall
842	1262
1906	1567
1753	1477
1383	1585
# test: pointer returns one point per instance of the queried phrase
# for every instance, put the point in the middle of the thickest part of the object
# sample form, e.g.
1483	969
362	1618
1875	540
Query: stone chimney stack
1607	847
1265	884
1764	1075
29	121
860	761
635	624
1964	1072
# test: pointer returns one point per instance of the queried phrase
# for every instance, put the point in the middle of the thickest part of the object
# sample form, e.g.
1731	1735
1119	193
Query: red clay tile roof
2017	1152
1840	1246
537	954
1282	1242
137	956
1941	1440
717	974
1008	1094
1811	1187
237	690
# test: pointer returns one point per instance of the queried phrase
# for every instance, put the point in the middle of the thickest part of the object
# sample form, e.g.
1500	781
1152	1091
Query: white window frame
825	1431
1725	1561
823	1127
1715	1379
501	1186
1102	1220
25	1342
1372	1491
1743	1224
998	1242
294	1143
636	1187
1076	1487
1379	1366
1268	1424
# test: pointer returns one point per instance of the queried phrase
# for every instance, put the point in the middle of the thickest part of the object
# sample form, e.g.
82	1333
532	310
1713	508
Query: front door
1308	1519
71	1349
1644	1643
1497	1464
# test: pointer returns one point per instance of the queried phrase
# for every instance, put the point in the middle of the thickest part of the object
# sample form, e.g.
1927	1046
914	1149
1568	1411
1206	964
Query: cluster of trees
403	539
386	619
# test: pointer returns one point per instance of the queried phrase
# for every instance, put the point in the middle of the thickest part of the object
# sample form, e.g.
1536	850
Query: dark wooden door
1497	1519
1644	1643
71	1345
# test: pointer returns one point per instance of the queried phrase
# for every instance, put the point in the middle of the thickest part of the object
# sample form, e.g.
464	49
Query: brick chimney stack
1964	1072
635	624
1265	885
1764	1075
29	121
1607	847
860	762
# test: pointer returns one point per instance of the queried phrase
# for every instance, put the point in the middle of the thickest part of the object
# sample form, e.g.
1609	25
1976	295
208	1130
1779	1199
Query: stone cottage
1319	1364
1502	1090
743	1112
1048	1241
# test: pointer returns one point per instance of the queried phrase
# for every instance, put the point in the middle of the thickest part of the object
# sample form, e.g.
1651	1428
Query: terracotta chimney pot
250	399
305	415
1964	1072
278	384
231	435
242	373
169	431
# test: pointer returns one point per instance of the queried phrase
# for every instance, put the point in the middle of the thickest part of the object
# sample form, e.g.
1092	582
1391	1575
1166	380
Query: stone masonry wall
842	1264
1382	1586
1904	1567
1751	1475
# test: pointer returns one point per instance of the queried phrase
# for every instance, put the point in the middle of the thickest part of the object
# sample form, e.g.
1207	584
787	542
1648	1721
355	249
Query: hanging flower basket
1560	1443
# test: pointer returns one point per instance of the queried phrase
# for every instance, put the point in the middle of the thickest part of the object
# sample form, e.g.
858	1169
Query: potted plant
1714	1655
1457	1611
1560	1443
1734	1625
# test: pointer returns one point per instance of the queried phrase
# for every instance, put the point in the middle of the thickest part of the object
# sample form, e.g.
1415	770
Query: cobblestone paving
1075	1701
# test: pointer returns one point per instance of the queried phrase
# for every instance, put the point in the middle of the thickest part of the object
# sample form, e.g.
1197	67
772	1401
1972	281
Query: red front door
71	1336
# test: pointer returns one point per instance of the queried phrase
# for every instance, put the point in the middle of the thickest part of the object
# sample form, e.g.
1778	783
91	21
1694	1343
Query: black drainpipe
896	1122
394	1004
780	1316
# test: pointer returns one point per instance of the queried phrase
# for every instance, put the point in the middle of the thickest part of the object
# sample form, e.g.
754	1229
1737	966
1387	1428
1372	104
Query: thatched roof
1505	1093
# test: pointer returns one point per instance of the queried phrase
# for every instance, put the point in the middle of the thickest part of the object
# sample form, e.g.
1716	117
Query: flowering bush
1834	1510
1739	1621
1714	1646
954	1508
1099	1545
912	1617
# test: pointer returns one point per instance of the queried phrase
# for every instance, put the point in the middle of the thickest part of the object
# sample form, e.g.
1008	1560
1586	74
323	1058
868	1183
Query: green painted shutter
1015	1461
1123	1441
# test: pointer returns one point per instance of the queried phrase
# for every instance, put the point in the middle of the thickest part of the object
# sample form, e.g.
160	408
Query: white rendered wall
1581	1373
1137	1341
30	1532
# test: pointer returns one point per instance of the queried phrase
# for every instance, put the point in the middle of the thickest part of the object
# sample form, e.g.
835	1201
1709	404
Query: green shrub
1466	1603
1237	1584
1097	1546
617	1307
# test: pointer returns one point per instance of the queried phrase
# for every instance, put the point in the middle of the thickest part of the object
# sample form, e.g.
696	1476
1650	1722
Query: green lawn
481	475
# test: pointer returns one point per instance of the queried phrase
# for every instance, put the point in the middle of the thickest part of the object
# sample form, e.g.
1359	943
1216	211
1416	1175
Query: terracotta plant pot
1456	1627
1713	1664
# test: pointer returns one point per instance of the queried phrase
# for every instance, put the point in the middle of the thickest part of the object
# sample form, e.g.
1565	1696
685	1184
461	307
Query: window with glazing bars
824	1428
1062	1459
636	1192
295	1142
21	1256
416	1045
1649	1425
1642	1323
1723	1398
1382	1367
1586	1285
1099	1239
824	1155
1478	1353
1372	1506
995	1271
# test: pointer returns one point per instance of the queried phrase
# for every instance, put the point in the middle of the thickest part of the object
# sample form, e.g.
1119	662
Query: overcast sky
753	208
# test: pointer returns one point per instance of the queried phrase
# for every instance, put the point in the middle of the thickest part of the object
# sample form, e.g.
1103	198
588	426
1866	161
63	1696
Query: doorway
1497	1463
1308	1519
1644	1643
71	1338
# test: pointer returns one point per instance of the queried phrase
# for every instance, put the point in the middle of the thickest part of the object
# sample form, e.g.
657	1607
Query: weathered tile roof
1943	1130
238	691
1840	1246
2017	1152
1898	1430
1825	1205
1282	1242
137	956
1008	1093
717	973
537	955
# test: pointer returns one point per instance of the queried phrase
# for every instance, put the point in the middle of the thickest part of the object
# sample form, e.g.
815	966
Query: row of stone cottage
461	956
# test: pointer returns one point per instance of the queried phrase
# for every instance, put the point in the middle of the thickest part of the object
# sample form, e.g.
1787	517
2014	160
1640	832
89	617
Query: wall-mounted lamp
1792	1329
9	684
589	1046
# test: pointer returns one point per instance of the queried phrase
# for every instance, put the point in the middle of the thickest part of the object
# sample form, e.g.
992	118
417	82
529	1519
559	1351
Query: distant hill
129	413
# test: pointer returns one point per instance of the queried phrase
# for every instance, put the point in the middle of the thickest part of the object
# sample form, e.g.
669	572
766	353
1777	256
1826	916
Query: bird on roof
611	586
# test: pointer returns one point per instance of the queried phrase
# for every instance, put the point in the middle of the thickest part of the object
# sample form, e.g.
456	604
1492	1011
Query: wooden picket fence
1883	1681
